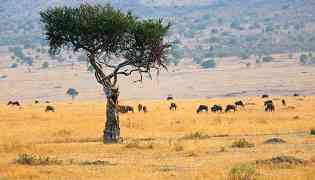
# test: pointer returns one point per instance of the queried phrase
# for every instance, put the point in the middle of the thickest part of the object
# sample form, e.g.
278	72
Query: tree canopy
111	38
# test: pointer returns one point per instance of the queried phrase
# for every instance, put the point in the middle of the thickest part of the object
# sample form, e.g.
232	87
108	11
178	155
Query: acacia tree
116	44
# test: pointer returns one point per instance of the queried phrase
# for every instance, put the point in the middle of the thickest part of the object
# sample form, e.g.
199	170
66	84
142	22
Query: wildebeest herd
18	104
268	106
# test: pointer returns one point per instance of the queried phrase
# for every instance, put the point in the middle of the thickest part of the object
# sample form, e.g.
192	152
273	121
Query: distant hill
201	29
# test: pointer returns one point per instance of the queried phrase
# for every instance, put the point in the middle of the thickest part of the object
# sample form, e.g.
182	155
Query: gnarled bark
112	130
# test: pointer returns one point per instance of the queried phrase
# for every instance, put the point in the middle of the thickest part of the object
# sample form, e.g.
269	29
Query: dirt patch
282	161
275	141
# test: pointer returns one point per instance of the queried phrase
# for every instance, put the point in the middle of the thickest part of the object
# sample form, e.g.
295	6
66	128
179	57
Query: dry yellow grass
153	146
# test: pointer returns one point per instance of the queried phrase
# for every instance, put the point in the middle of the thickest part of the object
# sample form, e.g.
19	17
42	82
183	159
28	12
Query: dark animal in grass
230	107
14	103
140	107
36	101
145	109
125	109
216	108
265	96
268	102
169	98
202	108
283	102
269	107
239	103
173	107
49	109
296	95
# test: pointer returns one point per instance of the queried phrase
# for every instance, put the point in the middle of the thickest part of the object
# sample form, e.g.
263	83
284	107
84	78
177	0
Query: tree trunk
112	130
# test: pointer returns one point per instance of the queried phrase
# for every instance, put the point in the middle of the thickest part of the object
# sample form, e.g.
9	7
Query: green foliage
86	27
102	31
242	143
303	59
18	52
14	65
267	59
242	172
196	135
72	92
45	65
244	55
90	69
312	131
209	63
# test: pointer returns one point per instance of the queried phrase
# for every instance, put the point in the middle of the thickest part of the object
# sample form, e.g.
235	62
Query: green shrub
196	135
303	59
267	59
208	64
312	131
45	65
242	172
242	143
29	159
14	65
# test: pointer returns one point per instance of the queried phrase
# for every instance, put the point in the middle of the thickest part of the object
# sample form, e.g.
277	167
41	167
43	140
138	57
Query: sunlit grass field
159	144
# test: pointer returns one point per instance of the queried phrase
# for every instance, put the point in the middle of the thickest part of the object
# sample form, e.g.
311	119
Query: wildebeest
269	107
283	102
230	107
173	106
296	95
216	108
14	103
49	109
36	101
169	98
202	108
140	107
239	103
145	109
268	102
265	96
125	109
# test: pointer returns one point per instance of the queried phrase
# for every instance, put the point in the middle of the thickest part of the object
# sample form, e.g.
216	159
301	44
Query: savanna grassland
159	144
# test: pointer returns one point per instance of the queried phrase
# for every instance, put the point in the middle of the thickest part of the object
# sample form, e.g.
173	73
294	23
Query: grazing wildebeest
173	106
239	103
36	101
145	109
230	107
49	109
268	102
140	107
14	103
269	107
202	108
125	109
216	108
169	98
283	102
265	96
296	94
